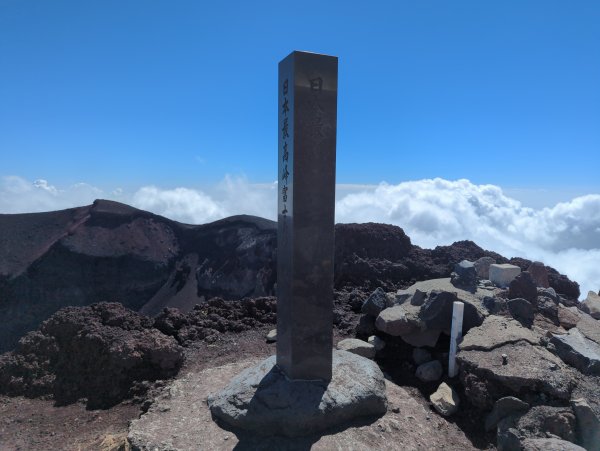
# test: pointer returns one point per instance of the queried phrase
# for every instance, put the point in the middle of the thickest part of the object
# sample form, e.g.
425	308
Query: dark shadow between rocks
397	362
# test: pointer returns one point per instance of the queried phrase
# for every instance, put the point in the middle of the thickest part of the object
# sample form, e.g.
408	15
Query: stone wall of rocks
529	358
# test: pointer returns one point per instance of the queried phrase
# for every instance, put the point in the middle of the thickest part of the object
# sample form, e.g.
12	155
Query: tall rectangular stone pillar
305	237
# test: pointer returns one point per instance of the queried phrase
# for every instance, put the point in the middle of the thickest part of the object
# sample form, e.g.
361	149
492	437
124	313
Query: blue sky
129	93
456	119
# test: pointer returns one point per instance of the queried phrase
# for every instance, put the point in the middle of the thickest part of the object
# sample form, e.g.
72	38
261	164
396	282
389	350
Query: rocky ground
529	361
543	392
109	251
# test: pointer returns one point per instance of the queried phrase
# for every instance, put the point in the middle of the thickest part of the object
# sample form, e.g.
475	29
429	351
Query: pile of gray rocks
529	359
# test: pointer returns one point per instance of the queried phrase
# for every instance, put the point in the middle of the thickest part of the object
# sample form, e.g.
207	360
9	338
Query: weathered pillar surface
307	141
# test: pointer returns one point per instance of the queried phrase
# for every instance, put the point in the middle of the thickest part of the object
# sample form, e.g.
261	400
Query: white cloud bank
432	212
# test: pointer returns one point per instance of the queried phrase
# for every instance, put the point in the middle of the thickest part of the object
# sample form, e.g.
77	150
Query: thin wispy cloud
431	211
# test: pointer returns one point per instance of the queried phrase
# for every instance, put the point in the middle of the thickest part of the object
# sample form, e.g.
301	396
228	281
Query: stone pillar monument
307	387
305	238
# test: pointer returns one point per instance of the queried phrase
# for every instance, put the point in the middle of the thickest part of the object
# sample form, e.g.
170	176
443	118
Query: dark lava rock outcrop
112	252
215	316
96	352
109	251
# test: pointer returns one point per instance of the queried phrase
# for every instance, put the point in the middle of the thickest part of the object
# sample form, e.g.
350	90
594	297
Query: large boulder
528	369
464	275
436	312
539	274
576	350
474	310
263	400
588	424
496	331
97	352
521	310
395	322
523	286
591	305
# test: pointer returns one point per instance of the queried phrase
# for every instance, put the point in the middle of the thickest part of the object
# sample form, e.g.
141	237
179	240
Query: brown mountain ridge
109	251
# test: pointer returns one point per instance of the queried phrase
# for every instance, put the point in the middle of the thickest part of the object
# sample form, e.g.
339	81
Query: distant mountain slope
113	252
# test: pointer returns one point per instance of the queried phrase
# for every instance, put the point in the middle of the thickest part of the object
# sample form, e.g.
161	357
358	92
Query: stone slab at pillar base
263	400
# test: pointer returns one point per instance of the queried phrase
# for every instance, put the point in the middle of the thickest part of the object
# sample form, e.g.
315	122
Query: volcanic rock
110	251
445	400
464	275
540	421
549	444
576	350
564	286
591	305
496	331
482	267
588	424
548	292
272	336
427	337
521	310
548	308
539	274
94	352
533	429
502	408
264	400
421	356
375	303
589	327
568	317
530	369
507	437
358	347
418	297
436	312
495	305
430	371
216	316
376	342
523	286
393	321
366	326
